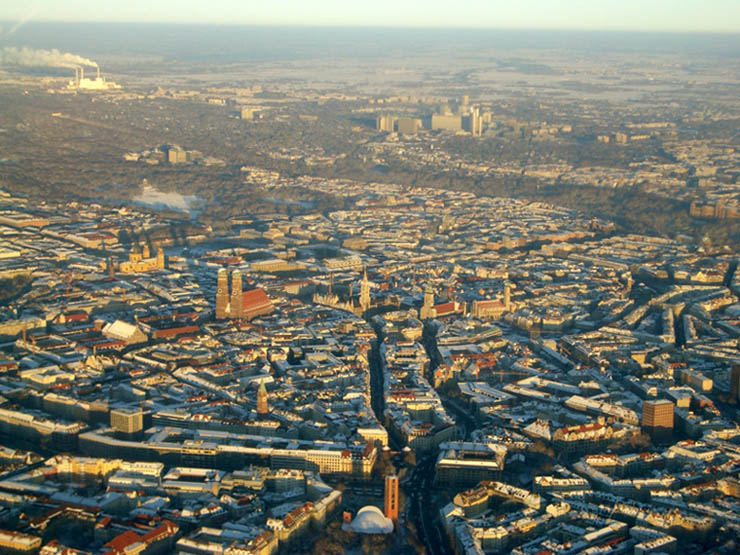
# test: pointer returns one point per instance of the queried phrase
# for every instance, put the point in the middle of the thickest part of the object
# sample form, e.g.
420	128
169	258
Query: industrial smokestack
82	73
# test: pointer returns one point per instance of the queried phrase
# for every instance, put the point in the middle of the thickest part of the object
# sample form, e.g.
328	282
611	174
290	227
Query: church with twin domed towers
238	304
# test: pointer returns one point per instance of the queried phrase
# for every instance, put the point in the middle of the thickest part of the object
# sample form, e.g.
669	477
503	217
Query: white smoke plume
42	58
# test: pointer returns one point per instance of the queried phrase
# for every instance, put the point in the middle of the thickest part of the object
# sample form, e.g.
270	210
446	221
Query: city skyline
274	289
609	15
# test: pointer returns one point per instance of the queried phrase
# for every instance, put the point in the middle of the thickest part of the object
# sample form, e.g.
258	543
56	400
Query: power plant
99	83
29	57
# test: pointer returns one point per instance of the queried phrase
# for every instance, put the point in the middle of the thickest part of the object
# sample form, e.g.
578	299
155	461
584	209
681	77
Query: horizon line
396	27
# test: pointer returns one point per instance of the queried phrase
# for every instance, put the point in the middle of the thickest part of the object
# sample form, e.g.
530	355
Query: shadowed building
735	382
657	418
409	126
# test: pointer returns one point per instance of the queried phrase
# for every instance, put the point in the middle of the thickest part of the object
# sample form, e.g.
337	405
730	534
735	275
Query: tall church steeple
364	291
262	399
222	294
236	295
427	311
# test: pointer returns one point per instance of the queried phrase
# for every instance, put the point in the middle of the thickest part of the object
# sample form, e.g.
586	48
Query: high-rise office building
408	126
447	122
384	123
473	122
391	498
126	420
657	418
477	123
176	155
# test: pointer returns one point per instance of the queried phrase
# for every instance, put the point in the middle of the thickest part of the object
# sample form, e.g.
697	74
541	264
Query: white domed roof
370	520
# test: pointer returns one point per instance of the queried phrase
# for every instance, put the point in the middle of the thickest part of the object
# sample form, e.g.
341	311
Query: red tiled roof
121	542
255	298
76	317
166	529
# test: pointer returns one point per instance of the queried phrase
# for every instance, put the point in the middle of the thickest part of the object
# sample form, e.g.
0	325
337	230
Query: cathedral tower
427	311
364	292
262	399
222	294
237	297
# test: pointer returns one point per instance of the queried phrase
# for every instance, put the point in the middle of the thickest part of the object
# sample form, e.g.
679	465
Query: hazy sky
643	15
